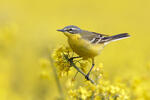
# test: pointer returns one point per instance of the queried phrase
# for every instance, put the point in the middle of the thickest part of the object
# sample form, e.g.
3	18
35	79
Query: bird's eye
70	29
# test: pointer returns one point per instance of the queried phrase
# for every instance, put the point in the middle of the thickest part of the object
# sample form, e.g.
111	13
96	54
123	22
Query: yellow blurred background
28	29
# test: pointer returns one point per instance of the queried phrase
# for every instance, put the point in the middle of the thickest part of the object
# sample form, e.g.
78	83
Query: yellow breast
83	48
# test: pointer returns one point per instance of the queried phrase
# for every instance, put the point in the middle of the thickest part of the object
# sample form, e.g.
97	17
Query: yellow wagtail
88	44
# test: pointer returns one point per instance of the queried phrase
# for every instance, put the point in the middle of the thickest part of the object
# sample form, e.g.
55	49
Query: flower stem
78	69
57	79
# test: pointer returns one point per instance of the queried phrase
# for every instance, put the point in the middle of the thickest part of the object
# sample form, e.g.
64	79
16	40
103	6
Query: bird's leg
87	76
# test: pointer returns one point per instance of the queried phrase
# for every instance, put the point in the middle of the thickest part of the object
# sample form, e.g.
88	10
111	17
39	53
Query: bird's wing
93	37
99	34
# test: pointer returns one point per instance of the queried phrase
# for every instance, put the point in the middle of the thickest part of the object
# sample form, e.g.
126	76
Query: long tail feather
116	37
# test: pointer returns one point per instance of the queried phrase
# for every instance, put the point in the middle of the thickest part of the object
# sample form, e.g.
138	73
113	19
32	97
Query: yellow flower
45	64
83	93
72	93
59	56
44	75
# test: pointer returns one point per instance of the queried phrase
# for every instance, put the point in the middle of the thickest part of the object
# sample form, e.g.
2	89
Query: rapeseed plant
28	31
102	89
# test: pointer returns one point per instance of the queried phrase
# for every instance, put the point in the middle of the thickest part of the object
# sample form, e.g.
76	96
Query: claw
71	59
87	77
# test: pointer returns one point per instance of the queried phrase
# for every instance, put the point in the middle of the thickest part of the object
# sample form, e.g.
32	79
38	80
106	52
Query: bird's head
69	30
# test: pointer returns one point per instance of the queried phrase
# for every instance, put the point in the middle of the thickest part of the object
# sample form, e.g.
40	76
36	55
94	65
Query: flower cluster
102	91
60	60
61	57
44	64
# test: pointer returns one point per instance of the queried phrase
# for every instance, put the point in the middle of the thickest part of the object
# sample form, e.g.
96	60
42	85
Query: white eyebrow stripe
73	28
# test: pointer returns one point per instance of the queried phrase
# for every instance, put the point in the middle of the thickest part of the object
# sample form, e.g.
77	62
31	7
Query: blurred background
28	30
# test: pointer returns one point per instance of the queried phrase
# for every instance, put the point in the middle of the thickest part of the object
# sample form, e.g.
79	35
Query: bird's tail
115	37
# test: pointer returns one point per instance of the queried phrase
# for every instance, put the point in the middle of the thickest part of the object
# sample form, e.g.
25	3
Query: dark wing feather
92	37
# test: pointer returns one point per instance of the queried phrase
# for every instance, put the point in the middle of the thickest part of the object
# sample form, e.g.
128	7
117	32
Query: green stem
57	79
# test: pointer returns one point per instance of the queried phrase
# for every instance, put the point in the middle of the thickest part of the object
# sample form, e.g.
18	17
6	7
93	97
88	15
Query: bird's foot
70	59
87	77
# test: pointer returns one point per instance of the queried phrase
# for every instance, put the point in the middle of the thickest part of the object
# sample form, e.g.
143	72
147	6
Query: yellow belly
84	49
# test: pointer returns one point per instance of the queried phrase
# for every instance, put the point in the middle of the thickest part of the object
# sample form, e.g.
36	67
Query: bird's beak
61	30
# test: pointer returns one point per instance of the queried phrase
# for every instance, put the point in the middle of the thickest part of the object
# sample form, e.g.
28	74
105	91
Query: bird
88	44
